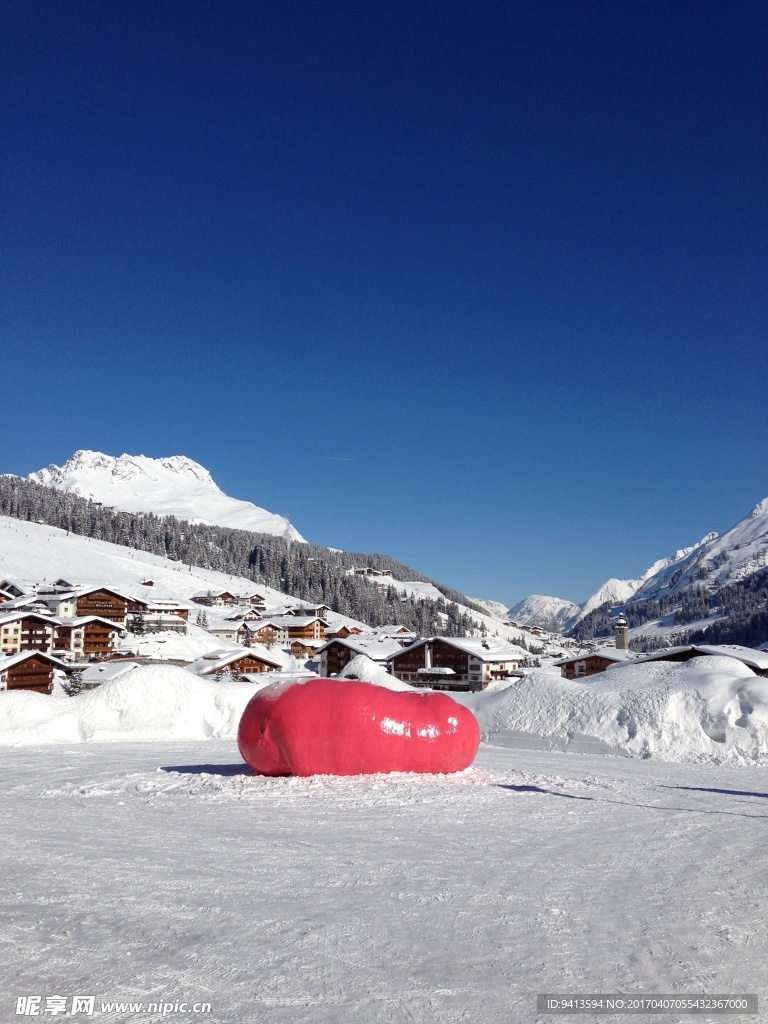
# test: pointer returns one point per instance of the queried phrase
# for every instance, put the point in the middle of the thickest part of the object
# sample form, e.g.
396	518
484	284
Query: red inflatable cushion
348	727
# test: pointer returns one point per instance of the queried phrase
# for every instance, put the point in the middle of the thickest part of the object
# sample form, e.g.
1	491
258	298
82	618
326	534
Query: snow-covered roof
376	648
208	665
609	653
104	671
750	656
292	621
9	660
482	648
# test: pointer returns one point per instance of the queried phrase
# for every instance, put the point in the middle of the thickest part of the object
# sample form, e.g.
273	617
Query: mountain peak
172	486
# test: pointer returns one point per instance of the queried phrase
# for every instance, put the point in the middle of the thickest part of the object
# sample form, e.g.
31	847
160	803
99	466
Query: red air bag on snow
348	727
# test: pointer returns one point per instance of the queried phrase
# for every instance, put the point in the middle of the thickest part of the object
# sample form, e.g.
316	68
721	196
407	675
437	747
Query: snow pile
152	702
364	668
708	708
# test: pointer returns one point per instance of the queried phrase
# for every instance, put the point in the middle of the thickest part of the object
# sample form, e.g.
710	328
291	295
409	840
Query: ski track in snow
169	871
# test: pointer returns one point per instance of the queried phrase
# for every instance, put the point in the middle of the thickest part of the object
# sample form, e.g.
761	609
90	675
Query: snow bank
708	708
364	668
152	702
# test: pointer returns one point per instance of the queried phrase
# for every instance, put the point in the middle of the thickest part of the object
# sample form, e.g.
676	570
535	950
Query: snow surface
174	486
151	702
167	871
710	708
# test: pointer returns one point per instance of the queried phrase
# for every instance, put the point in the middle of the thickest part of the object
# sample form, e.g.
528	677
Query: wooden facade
468	667
243	664
314	630
336	657
33	672
104	603
589	665
266	634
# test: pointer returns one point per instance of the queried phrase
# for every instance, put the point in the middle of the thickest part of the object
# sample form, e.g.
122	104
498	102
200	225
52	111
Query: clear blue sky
507	260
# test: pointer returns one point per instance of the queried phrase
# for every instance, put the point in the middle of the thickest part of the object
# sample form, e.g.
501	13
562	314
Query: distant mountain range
716	561
177	486
174	486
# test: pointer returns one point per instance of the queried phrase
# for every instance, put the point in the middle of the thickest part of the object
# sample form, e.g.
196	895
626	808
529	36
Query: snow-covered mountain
550	613
174	486
715	559
739	552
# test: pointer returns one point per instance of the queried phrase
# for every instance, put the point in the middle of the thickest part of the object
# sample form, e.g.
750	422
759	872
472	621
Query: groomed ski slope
167	872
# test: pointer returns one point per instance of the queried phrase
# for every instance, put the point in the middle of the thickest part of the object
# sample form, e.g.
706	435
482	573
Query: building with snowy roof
336	654
455	663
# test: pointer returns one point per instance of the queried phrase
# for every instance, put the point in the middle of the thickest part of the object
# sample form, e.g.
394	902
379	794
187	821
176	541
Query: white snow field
166	872
156	868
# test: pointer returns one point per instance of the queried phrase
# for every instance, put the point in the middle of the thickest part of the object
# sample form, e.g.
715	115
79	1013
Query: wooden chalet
592	662
302	627
263	632
240	663
455	663
228	599
305	648
105	603
336	654
29	670
87	637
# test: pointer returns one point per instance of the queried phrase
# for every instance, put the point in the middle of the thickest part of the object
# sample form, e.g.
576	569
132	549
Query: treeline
306	571
738	611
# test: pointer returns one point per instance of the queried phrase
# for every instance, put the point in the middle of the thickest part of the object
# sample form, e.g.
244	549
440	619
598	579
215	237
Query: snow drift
151	702
709	708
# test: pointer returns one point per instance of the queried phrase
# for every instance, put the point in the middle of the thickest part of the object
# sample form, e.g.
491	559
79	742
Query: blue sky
478	285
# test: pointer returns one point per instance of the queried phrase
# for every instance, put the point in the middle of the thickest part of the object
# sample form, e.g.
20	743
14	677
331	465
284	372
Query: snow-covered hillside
546	612
716	558
175	486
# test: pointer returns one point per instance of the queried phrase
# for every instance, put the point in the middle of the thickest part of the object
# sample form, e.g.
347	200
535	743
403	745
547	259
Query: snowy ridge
174	486
715	559
545	612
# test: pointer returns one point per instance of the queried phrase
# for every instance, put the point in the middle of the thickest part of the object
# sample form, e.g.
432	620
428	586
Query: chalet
342	631
26	631
17	588
86	637
402	634
10	633
29	670
455	663
321	611
305	648
215	598
263	631
5	595
336	654
102	601
60	603
229	599
300	627
591	662
246	661
367	570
